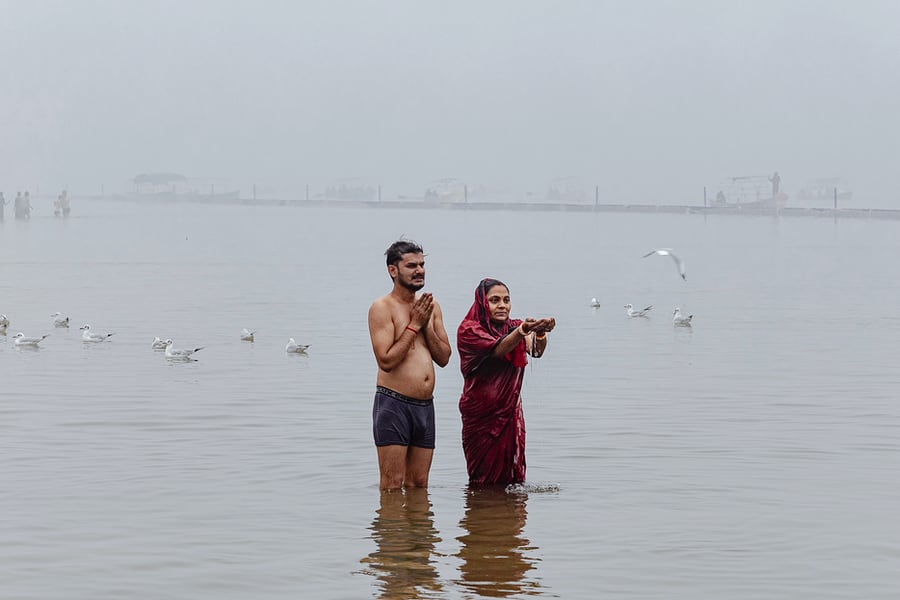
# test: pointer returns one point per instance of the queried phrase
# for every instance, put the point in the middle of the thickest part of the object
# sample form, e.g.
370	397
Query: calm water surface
751	456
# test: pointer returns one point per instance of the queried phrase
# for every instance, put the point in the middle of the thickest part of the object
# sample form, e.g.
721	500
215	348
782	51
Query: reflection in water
494	551
404	532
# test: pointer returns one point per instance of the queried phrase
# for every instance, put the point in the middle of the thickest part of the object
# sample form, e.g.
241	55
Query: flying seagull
668	252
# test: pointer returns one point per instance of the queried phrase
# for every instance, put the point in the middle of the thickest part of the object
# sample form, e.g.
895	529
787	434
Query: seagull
175	354
21	340
679	319
668	252
4	322
293	346
59	320
158	344
629	310
247	335
595	303
87	336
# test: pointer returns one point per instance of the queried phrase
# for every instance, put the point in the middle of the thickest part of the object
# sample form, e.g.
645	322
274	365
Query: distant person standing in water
19	206
776	183
61	205
492	355
64	203
3	203
408	337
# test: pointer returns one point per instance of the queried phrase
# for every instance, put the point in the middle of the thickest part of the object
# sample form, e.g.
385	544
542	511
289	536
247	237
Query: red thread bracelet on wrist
415	331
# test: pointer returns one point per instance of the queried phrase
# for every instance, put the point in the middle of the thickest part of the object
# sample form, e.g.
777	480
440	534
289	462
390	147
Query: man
26	205
776	183
408	336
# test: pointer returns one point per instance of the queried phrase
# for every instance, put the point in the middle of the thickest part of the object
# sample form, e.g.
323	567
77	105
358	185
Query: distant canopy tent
155	181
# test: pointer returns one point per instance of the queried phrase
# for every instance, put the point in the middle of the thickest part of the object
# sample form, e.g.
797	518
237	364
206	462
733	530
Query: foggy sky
649	100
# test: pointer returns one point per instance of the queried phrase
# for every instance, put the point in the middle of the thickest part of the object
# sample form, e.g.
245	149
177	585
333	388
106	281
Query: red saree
493	425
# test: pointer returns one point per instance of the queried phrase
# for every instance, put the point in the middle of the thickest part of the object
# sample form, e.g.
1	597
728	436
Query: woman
492	353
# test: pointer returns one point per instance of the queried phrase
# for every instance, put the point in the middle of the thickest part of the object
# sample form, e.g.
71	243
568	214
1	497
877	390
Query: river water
753	455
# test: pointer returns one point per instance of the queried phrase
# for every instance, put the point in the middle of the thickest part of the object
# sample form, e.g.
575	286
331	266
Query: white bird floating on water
176	354
629	310
247	335
293	346
21	340
4	322
680	320
158	344
88	336
59	320
668	252
595	303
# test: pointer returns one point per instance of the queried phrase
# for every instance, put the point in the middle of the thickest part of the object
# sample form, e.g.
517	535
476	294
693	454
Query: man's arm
436	337
389	352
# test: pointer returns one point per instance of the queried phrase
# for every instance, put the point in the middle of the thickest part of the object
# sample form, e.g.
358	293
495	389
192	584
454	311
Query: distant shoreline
865	213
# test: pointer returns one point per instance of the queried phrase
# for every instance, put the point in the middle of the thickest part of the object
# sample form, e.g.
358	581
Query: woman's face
498	303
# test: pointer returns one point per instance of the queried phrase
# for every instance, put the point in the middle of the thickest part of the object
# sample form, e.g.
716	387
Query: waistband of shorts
398	396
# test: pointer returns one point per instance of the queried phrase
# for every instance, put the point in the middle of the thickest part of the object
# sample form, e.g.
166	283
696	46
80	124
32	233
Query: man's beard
413	286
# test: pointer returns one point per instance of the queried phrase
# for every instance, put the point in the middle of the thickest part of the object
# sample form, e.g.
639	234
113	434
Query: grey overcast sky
650	100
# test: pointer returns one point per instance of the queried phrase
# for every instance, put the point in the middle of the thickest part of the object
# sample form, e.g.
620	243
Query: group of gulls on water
678	319
88	336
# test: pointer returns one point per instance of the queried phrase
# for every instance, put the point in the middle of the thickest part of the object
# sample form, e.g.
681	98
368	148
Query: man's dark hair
396	250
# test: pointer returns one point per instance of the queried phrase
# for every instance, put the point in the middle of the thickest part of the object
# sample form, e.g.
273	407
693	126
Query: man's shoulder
381	300
383	303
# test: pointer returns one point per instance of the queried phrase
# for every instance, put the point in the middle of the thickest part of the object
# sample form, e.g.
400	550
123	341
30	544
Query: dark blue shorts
402	421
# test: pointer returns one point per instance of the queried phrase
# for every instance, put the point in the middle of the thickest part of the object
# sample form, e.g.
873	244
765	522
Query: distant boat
161	197
778	201
749	191
357	189
566	190
825	189
446	191
174	187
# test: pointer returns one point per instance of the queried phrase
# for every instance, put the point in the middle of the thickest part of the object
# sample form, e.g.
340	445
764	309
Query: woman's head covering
480	314
479	310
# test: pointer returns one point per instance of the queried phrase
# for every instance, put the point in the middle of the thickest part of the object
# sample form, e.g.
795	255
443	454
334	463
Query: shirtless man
408	336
